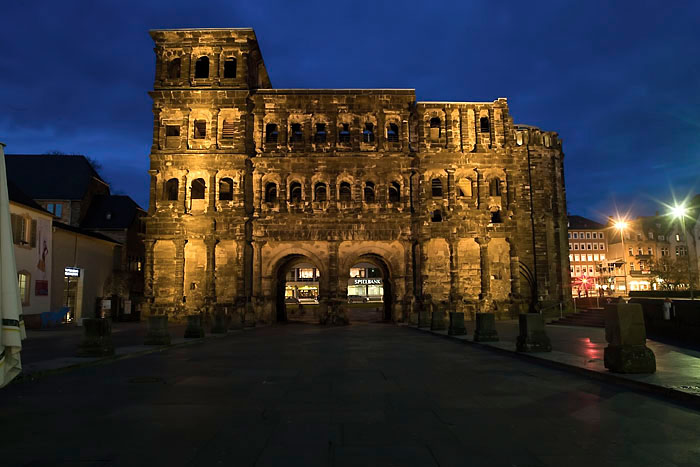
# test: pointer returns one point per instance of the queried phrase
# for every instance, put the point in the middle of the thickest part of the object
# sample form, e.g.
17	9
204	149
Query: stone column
182	192
282	193
455	295
332	195
148	268
514	269
485	294
451	199
210	243
257	268
179	270
153	196
406	193
212	191
257	192
240	266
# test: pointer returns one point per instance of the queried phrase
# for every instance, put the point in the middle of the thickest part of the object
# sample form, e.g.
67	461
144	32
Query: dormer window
201	67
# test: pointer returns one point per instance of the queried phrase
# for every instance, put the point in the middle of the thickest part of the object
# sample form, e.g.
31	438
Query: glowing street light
621	225
680	212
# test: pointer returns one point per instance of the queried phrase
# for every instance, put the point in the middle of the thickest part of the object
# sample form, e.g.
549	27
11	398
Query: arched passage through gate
298	282
369	287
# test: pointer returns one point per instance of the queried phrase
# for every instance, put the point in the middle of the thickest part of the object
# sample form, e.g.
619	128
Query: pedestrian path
581	349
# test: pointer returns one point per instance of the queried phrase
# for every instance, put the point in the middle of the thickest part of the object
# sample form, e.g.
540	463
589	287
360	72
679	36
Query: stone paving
361	395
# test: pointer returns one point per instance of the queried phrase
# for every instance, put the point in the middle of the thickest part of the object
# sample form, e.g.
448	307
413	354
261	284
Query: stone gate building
451	200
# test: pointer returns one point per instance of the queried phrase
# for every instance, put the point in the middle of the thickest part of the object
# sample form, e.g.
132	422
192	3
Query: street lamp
621	225
679	212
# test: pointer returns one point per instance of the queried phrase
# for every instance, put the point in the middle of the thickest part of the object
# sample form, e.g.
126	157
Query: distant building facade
451	201
588	256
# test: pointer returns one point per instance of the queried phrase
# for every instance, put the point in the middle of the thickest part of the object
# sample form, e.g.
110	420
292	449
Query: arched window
270	192
464	188
174	68
201	67
368	133
198	188
271	133
344	133
484	124
171	188
392	133
394	192
436	186
200	129
369	192
435	128
297	135
495	187
230	68
321	135
320	192
345	192
226	189
436	216
295	192
496	217
519	139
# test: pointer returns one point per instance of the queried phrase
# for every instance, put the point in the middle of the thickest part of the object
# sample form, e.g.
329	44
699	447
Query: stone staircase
592	317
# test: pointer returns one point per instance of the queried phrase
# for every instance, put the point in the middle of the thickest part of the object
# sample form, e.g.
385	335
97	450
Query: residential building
588	256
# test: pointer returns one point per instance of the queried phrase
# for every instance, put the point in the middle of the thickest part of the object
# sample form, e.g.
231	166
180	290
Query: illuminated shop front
302	282
366	281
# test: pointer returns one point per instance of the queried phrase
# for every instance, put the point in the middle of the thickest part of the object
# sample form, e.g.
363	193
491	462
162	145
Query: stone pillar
457	324
406	193
257	192
455	295
485	294
212	191
485	328
438	319
157	331
626	335
210	243
332	195
153	192
532	337
240	266
179	271
194	329
257	268
282	193
182	192
97	340
451	192
514	269
148	269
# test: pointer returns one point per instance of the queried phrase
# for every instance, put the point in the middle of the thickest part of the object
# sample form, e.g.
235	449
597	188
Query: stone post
157	331
97	340
485	294
485	328
194	329
626	335
249	317
533	337
457	324
213	189
210	244
438	320
179	271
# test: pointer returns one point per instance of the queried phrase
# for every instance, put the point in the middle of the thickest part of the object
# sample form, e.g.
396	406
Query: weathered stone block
457	324
438	321
485	328
194	329
236	321
218	325
626	335
413	318
533	337
97	338
157	331
249	317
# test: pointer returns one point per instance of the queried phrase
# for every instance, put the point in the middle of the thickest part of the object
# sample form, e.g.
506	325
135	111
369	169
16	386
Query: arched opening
495	187
394	192
370	294
297	290
198	188
320	192
435	128
295	193
201	67
464	188
174	68
270	193
230	68
484	125
345	192
392	133
226	189
368	133
271	133
171	189
369	192
296	133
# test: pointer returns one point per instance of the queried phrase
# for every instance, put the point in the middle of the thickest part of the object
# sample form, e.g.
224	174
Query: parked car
308	301
291	300
357	299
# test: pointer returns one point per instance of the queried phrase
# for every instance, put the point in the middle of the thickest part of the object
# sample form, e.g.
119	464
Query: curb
35	375
681	397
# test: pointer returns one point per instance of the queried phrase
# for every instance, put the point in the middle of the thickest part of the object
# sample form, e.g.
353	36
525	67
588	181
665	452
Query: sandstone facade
451	200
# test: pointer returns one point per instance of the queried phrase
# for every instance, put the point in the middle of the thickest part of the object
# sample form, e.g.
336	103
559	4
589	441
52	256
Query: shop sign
71	272
367	281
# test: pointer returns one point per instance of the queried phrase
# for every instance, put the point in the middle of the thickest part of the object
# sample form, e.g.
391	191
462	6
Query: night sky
619	81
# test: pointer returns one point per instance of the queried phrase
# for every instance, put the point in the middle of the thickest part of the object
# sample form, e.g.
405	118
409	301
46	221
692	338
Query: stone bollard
412	318
157	331
249	317
194	329
218	325
533	337
457	324
438	321
423	319
485	328
627	351
97	340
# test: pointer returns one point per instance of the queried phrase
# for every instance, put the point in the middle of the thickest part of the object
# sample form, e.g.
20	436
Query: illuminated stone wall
449	199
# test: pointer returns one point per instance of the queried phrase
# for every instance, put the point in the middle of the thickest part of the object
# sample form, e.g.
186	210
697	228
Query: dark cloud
617	80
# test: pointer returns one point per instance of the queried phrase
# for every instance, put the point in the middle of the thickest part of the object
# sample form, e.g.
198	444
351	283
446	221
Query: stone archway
387	280
278	280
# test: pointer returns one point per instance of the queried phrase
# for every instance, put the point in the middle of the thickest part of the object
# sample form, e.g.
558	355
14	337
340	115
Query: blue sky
619	81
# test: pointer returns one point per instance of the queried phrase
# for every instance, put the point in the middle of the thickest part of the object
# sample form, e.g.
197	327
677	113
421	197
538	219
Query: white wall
29	259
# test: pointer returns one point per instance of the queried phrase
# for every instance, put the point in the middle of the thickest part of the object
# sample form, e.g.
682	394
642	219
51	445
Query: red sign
41	287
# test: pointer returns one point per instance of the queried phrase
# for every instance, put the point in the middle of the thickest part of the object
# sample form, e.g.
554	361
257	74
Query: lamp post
679	212
621	226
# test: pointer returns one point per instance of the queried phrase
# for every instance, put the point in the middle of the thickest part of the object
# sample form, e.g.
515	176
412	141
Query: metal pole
622	237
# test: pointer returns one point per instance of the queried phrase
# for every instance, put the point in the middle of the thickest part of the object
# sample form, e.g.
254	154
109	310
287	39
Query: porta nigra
454	204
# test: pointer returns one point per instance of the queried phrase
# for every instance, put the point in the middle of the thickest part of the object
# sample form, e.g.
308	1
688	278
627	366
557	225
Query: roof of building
111	212
48	176
82	231
18	196
579	222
